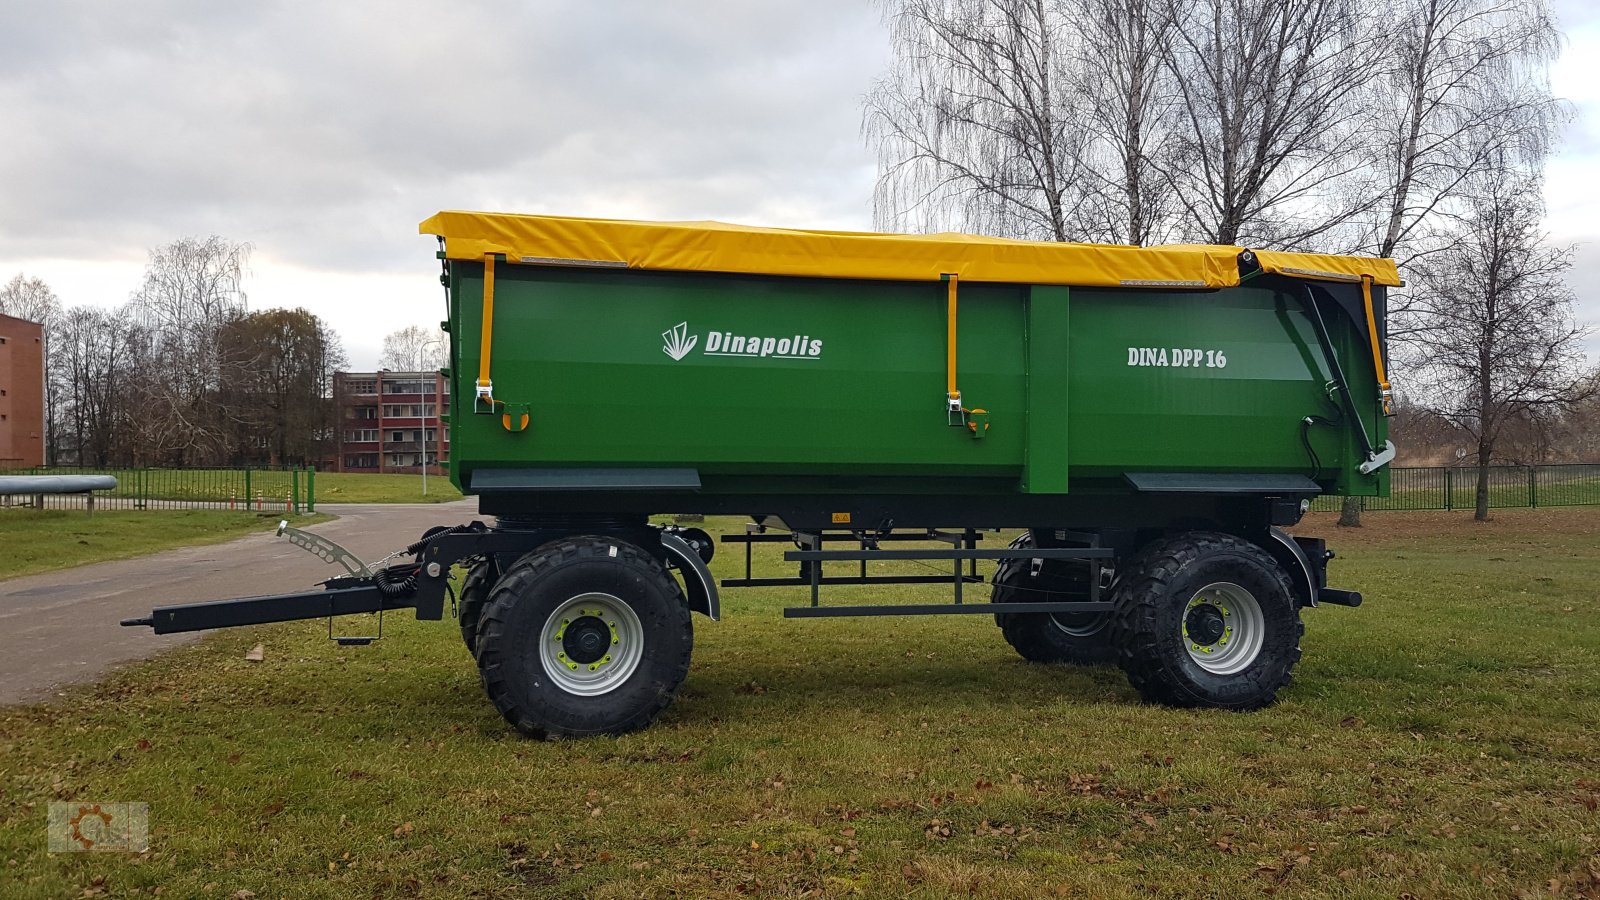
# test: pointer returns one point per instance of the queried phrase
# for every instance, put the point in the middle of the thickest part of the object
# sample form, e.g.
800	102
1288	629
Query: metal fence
1456	487
289	490
294	490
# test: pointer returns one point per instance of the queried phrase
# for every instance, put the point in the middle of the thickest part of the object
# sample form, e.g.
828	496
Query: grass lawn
42	540
353	487
1440	741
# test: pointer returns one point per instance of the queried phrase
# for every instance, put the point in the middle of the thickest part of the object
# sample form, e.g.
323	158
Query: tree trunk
1481	512
1350	512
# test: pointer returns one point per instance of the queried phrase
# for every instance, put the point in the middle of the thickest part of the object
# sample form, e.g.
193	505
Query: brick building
21	393
387	421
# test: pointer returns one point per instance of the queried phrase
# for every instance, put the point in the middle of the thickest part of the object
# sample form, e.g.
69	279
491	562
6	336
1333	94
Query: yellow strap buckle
1384	393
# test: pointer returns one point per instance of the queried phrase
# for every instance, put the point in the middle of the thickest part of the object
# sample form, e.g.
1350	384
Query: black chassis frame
1122	522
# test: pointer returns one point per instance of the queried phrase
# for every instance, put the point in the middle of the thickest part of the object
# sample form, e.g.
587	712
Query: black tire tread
494	643
1032	635
475	589
1146	583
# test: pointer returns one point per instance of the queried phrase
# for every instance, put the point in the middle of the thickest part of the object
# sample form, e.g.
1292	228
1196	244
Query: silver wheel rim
606	653
1242	628
1095	626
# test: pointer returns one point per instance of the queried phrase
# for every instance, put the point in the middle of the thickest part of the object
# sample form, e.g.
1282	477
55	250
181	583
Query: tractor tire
475	590
1081	638
584	636
1205	619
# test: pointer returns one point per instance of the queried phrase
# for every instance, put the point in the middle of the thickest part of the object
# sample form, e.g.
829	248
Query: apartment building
21	393
390	421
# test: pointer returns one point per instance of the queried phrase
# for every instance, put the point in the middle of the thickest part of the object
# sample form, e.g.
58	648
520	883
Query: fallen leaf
404	829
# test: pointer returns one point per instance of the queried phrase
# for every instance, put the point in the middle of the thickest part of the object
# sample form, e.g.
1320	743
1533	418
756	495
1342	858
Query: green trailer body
1151	421
1081	386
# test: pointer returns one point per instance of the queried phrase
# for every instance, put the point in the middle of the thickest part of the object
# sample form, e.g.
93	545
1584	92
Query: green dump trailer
1146	420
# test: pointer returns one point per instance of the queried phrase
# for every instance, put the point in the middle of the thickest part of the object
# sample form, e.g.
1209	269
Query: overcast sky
323	133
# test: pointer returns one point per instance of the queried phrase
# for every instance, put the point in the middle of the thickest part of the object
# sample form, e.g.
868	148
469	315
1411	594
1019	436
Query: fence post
1449	489
247	494
294	491
1533	487
311	489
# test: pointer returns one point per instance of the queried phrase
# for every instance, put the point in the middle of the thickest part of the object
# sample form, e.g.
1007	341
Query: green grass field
352	487
43	540
1440	741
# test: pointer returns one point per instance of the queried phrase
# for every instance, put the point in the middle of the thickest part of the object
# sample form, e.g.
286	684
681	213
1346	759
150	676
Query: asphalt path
62	627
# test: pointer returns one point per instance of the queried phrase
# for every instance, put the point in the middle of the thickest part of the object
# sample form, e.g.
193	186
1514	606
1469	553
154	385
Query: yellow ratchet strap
952	395
1377	348
485	392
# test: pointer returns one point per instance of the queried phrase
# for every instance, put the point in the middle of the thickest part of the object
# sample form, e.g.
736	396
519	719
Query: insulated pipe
55	484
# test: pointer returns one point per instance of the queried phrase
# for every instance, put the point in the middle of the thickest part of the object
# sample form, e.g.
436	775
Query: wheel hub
586	640
592	643
1204	624
1223	628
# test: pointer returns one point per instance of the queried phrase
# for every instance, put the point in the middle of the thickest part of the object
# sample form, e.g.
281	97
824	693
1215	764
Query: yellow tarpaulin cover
719	247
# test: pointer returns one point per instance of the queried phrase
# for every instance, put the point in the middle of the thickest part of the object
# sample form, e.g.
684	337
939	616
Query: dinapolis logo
677	343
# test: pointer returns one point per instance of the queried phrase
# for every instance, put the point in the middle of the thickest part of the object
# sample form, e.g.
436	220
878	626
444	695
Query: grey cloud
324	132
1583	278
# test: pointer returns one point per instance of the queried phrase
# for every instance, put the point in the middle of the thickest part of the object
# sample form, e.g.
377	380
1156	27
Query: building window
361	461
408	387
401	435
408	410
363	412
367	386
360	435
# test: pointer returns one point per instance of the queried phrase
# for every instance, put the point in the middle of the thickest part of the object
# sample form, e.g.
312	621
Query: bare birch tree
414	349
29	298
1127	103
1494	326
1269	124
98	355
192	289
973	126
1461	85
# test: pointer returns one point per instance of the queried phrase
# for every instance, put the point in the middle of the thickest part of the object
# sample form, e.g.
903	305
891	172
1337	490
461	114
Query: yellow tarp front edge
720	247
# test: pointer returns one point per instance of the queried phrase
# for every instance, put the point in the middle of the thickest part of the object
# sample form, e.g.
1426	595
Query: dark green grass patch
1439	741
43	540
